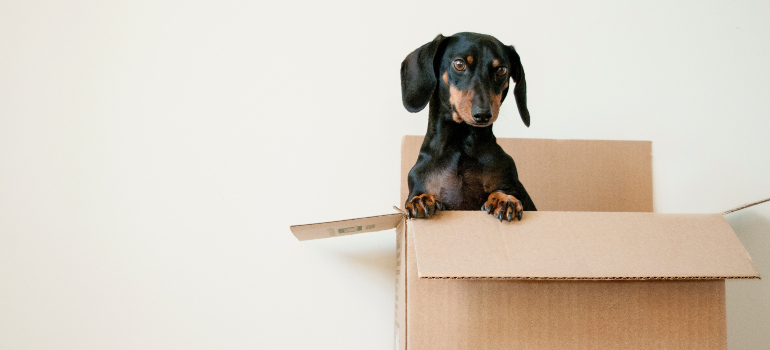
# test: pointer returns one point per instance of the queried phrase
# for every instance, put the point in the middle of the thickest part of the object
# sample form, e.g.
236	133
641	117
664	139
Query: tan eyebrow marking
470	59
495	63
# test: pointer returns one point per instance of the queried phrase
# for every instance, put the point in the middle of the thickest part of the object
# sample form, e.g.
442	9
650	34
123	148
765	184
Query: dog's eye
459	64
501	71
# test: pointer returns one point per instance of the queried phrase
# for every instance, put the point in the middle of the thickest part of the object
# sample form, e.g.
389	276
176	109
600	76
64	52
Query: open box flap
347	227
579	245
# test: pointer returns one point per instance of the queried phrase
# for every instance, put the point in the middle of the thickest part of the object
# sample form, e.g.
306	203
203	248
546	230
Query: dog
464	78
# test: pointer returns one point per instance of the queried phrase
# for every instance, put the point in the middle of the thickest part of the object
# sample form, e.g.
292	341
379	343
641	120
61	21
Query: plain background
154	153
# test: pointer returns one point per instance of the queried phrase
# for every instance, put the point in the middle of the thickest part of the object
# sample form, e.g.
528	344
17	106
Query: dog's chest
462	184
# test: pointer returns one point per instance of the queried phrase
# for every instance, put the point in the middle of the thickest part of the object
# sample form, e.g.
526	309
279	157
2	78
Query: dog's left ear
520	91
418	79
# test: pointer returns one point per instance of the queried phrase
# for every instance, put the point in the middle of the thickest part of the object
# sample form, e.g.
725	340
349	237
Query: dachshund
465	79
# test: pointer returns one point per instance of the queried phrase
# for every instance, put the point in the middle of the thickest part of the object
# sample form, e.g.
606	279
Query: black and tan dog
465	78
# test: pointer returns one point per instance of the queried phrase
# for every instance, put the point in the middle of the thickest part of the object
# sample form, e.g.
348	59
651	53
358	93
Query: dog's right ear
418	79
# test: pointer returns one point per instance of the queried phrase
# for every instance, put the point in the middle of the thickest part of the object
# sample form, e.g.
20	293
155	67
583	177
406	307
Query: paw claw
423	206
503	207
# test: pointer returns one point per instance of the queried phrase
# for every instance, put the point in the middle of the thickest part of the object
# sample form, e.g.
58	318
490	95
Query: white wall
154	153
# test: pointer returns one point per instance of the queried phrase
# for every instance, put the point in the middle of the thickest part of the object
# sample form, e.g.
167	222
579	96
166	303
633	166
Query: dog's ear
418	78
520	91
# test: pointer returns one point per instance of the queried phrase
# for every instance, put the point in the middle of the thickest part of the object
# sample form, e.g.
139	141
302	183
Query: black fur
460	162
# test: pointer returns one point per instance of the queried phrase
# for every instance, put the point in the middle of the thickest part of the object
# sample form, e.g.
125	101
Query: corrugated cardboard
596	272
579	245
571	175
347	227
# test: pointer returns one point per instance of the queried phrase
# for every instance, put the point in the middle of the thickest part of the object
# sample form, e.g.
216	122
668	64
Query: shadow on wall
372	254
379	260
748	301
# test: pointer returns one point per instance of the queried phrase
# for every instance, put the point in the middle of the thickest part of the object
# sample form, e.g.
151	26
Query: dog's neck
446	135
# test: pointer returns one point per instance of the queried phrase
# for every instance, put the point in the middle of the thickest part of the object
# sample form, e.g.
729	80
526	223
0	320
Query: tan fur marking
461	101
416	203
445	77
495	63
470	59
506	85
496	100
496	199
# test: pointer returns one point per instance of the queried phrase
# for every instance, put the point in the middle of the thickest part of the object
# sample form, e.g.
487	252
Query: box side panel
579	245
416	288
463	314
571	175
585	175
400	314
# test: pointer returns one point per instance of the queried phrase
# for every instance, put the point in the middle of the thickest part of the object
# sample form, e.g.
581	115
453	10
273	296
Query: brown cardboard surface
346	227
548	314
446	311
571	175
579	245
400	326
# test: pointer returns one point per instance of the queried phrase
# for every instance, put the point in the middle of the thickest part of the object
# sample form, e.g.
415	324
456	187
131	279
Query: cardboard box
593	269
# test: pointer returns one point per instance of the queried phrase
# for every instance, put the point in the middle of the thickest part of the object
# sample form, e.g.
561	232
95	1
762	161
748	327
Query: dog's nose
482	116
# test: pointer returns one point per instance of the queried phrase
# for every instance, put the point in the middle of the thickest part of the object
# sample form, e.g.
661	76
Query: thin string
400	210
746	206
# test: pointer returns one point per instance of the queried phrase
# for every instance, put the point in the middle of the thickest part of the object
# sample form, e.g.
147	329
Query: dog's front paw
423	206
503	206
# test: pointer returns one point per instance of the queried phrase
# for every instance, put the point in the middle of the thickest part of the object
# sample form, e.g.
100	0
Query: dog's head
470	72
